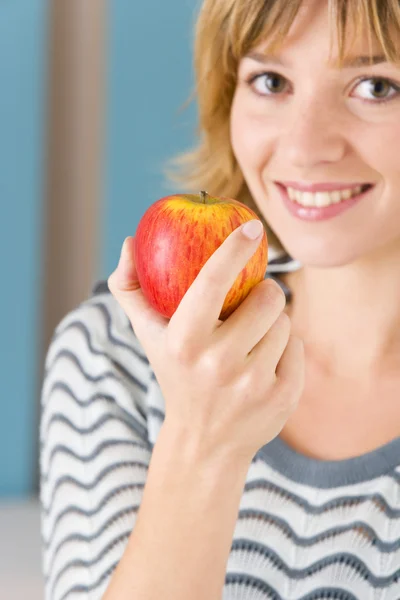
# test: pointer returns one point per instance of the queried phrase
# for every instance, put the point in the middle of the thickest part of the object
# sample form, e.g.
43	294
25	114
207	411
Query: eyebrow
351	62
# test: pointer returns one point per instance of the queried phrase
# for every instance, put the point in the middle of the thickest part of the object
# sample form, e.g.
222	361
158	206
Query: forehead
317	26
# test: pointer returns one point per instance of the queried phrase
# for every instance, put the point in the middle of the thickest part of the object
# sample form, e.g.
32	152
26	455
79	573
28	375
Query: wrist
180	448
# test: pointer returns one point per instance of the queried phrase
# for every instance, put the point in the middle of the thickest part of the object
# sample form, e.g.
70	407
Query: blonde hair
225	31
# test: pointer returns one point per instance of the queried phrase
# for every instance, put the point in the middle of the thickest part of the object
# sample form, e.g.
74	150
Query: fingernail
252	229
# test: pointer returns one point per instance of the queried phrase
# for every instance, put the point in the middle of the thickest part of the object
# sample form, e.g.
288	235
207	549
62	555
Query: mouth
318	205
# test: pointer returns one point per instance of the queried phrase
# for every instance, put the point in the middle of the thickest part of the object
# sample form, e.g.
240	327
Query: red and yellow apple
177	235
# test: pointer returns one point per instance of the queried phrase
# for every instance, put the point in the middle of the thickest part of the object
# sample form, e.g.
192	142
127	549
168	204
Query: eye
379	89
272	82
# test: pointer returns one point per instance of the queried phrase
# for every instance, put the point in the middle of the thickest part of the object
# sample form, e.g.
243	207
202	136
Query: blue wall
149	79
23	34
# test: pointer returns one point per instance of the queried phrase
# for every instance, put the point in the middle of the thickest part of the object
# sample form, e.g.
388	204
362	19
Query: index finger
201	306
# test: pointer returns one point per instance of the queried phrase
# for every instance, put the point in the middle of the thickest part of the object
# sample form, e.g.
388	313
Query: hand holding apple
230	386
175	238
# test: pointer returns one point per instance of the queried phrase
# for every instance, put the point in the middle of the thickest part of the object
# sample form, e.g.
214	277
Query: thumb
125	277
124	285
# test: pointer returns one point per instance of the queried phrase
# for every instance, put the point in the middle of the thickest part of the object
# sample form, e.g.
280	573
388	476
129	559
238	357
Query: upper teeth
322	198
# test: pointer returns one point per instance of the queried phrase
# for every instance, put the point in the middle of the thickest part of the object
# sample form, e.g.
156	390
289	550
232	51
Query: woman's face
303	121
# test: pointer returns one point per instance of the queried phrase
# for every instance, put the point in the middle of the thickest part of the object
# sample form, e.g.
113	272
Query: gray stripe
79	537
156	412
249	581
347	558
74	509
61	449
77	324
251	513
61	418
283	265
47	509
330	473
100	287
117	342
64	353
127	417
86	563
318	509
89	588
280	257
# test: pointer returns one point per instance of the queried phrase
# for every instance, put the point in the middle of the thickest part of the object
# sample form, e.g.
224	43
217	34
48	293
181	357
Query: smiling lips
318	204
322	195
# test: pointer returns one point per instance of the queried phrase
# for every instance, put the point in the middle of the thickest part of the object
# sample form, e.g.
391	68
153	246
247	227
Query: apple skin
177	235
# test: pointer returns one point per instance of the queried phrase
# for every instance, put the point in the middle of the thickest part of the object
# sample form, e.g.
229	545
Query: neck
349	316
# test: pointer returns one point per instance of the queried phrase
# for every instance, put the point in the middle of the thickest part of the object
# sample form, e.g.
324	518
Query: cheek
378	147
387	156
250	138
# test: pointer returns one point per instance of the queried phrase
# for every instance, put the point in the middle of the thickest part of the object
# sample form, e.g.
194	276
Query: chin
321	255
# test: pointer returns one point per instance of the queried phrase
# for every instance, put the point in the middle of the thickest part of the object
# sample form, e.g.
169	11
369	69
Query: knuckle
213	368
252	385
180	350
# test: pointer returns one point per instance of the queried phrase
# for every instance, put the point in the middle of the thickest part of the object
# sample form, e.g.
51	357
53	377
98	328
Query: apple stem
203	196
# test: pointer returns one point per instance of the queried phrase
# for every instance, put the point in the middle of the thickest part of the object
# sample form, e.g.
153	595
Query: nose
313	136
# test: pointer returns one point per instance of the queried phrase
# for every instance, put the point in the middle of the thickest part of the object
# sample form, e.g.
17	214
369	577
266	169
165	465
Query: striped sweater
307	529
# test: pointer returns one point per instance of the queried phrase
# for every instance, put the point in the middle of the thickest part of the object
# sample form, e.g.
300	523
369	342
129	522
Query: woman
258	457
